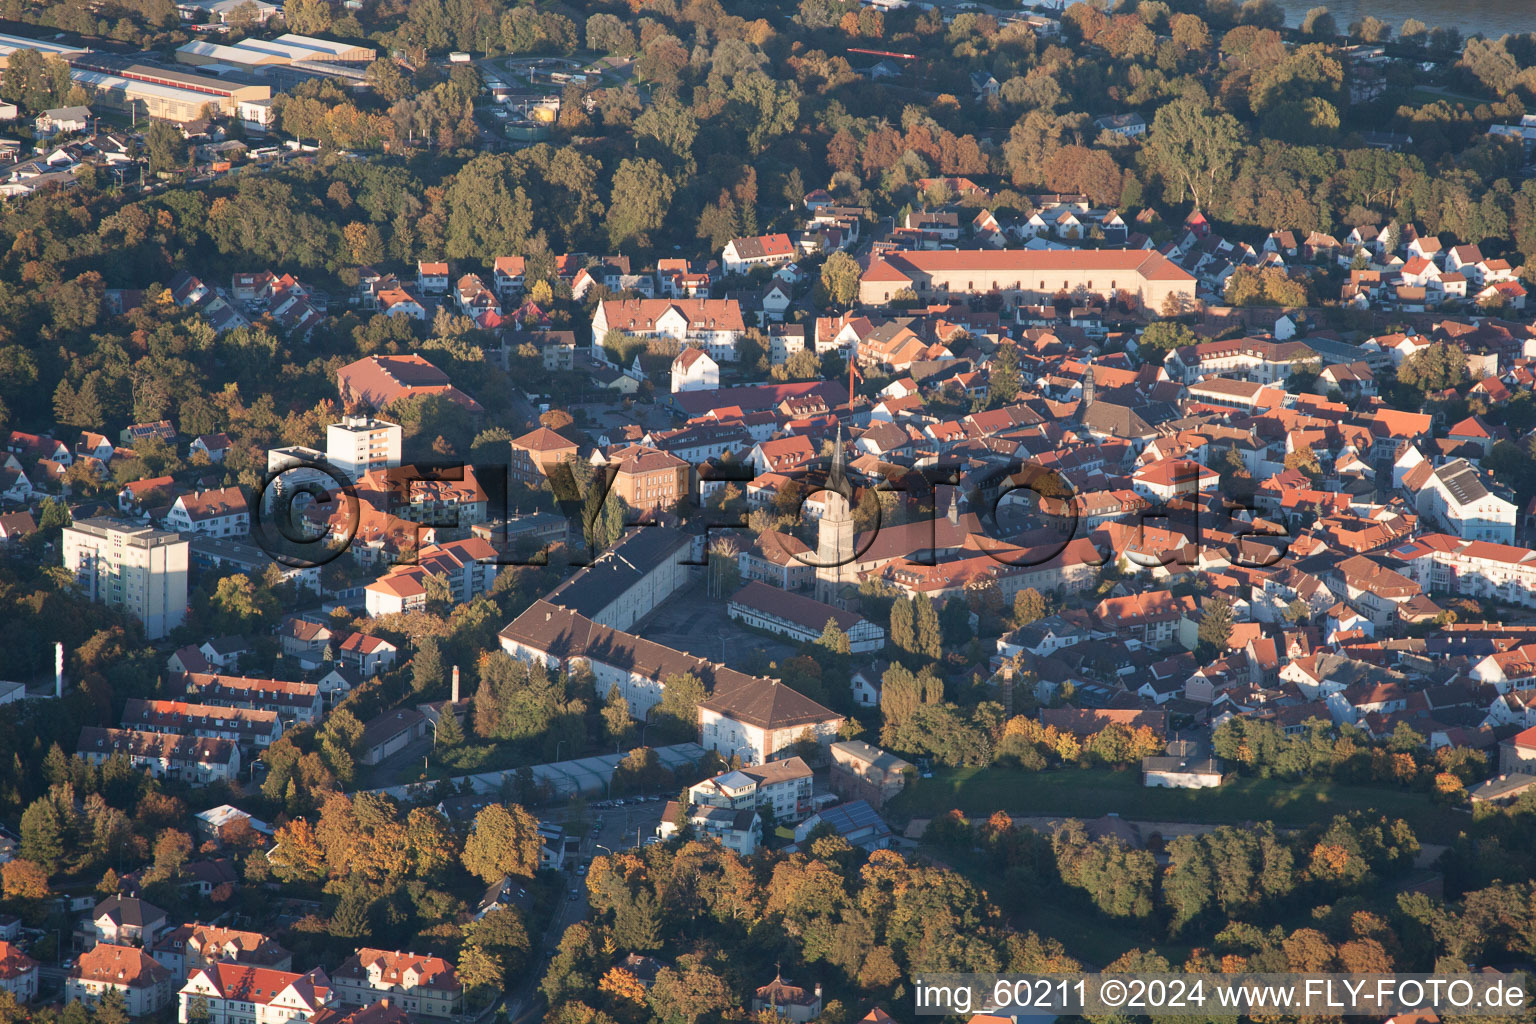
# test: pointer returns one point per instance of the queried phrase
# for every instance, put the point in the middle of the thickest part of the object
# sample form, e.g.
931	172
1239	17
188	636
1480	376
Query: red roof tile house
742	254
18	973
242	994
145	985
222	512
195	946
421	984
713	324
1172	478
377	381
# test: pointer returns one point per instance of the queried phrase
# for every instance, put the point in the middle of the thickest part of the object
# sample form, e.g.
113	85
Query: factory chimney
455	684
58	669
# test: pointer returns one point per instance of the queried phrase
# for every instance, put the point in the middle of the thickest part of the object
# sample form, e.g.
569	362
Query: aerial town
1059	479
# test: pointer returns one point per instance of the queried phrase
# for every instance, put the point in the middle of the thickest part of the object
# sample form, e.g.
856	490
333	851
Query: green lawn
1094	792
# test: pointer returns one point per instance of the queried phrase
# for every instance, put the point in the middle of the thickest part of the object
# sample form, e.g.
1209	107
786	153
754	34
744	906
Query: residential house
18	973
781	787
144	984
126	921
712	324
694	370
237	993
193	947
223	512
742	254
419	983
164	755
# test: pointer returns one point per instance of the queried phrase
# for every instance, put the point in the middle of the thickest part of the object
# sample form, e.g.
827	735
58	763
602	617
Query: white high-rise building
137	568
361	443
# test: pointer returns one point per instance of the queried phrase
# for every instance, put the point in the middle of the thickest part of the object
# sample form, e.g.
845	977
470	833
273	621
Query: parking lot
690	621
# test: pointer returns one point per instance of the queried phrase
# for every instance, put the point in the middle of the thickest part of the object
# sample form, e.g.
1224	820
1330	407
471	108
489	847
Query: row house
779	559
453	498
432	277
292	701
740	831
1261	360
1371	588
165	755
1444	564
468	568
249	728
681	280
126	921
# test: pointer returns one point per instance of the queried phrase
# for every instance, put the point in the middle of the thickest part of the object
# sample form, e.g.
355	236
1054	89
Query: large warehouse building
166	93
285	49
147	90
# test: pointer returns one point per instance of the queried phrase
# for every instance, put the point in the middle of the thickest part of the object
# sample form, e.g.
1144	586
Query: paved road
621	828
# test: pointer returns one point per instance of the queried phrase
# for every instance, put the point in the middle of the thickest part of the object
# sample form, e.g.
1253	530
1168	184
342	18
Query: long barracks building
1025	276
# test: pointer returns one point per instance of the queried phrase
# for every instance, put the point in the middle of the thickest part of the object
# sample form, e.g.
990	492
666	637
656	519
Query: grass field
1094	792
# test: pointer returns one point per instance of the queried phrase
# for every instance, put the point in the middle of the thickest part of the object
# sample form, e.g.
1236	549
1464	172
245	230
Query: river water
1492	18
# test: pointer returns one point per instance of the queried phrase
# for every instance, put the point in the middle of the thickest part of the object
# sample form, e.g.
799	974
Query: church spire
835	479
1088	387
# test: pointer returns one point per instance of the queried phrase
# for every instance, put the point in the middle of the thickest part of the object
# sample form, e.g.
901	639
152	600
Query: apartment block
137	568
361	443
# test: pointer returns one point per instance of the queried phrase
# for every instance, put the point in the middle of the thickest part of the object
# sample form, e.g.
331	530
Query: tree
450	734
617	723
833	638
1195	147
166	149
427	665
902	625
296	853
1216	623
929	637
1439	366
23	880
641	196
1162	337
505	841
172	848
840	277
487	213
678	711
113	1008
1028	606
479	969
42	835
1003	378
1319	24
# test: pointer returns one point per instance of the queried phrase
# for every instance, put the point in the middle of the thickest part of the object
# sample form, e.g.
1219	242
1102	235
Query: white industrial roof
10	44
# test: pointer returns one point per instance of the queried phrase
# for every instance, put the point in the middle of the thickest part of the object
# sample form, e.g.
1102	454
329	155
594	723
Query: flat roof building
137	568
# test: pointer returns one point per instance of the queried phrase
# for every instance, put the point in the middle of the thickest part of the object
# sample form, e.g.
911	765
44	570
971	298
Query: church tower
834	534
